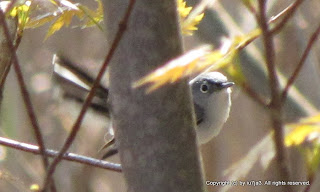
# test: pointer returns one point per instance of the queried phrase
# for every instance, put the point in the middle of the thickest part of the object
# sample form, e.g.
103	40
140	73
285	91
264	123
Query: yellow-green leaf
21	11
55	26
313	119
64	13
183	10
35	187
306	128
188	21
198	60
312	157
300	134
64	19
40	20
175	69
94	16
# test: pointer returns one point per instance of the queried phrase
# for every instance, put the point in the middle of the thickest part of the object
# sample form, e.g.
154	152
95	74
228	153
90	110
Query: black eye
204	88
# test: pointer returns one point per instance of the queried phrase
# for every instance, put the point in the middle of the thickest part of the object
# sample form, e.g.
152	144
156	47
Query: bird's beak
227	84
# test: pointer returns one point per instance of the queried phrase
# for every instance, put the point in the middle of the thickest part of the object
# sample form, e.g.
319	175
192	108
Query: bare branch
16	33
24	92
287	12
254	95
76	126
276	111
68	156
297	70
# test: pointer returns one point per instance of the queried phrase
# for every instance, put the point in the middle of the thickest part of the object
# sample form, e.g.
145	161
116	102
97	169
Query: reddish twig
76	126
24	92
276	111
7	69
287	12
68	156
254	95
297	70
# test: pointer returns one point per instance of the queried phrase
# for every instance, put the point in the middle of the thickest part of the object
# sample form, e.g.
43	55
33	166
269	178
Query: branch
276	111
289	11
24	92
286	14
254	95
269	48
76	126
17	41
68	156
296	72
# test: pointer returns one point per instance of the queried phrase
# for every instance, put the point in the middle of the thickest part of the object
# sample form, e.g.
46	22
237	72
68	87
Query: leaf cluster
60	16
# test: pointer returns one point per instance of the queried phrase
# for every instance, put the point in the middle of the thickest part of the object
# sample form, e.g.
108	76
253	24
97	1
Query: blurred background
247	127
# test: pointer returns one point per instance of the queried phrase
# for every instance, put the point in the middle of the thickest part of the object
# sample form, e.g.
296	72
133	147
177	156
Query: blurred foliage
61	16
312	158
187	28
22	13
35	187
306	129
305	134
65	11
200	59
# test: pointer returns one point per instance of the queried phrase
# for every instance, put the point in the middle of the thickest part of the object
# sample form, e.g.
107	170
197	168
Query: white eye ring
204	88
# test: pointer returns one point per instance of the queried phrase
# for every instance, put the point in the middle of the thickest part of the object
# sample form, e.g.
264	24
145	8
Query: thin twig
4	76
8	67
68	156
287	12
269	48
276	111
254	95
297	70
24	92
76	126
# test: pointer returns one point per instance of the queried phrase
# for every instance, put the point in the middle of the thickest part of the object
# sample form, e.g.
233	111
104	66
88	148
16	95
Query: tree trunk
154	132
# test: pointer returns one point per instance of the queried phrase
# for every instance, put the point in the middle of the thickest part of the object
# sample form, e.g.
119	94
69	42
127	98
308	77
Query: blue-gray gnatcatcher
211	93
212	101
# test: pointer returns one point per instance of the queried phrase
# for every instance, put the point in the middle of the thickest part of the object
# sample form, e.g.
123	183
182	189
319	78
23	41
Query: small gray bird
211	93
212	101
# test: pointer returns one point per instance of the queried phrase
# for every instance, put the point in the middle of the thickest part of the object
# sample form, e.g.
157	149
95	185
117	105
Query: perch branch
68	156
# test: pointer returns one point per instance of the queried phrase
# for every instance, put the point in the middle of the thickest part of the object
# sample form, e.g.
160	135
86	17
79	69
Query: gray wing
199	113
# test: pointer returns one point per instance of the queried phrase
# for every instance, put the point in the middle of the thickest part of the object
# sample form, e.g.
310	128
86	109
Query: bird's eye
204	88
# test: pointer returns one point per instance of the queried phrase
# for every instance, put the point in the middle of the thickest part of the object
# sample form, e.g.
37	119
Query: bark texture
155	132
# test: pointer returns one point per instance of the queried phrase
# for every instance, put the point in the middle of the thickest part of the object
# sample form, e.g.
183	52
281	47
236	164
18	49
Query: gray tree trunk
155	132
